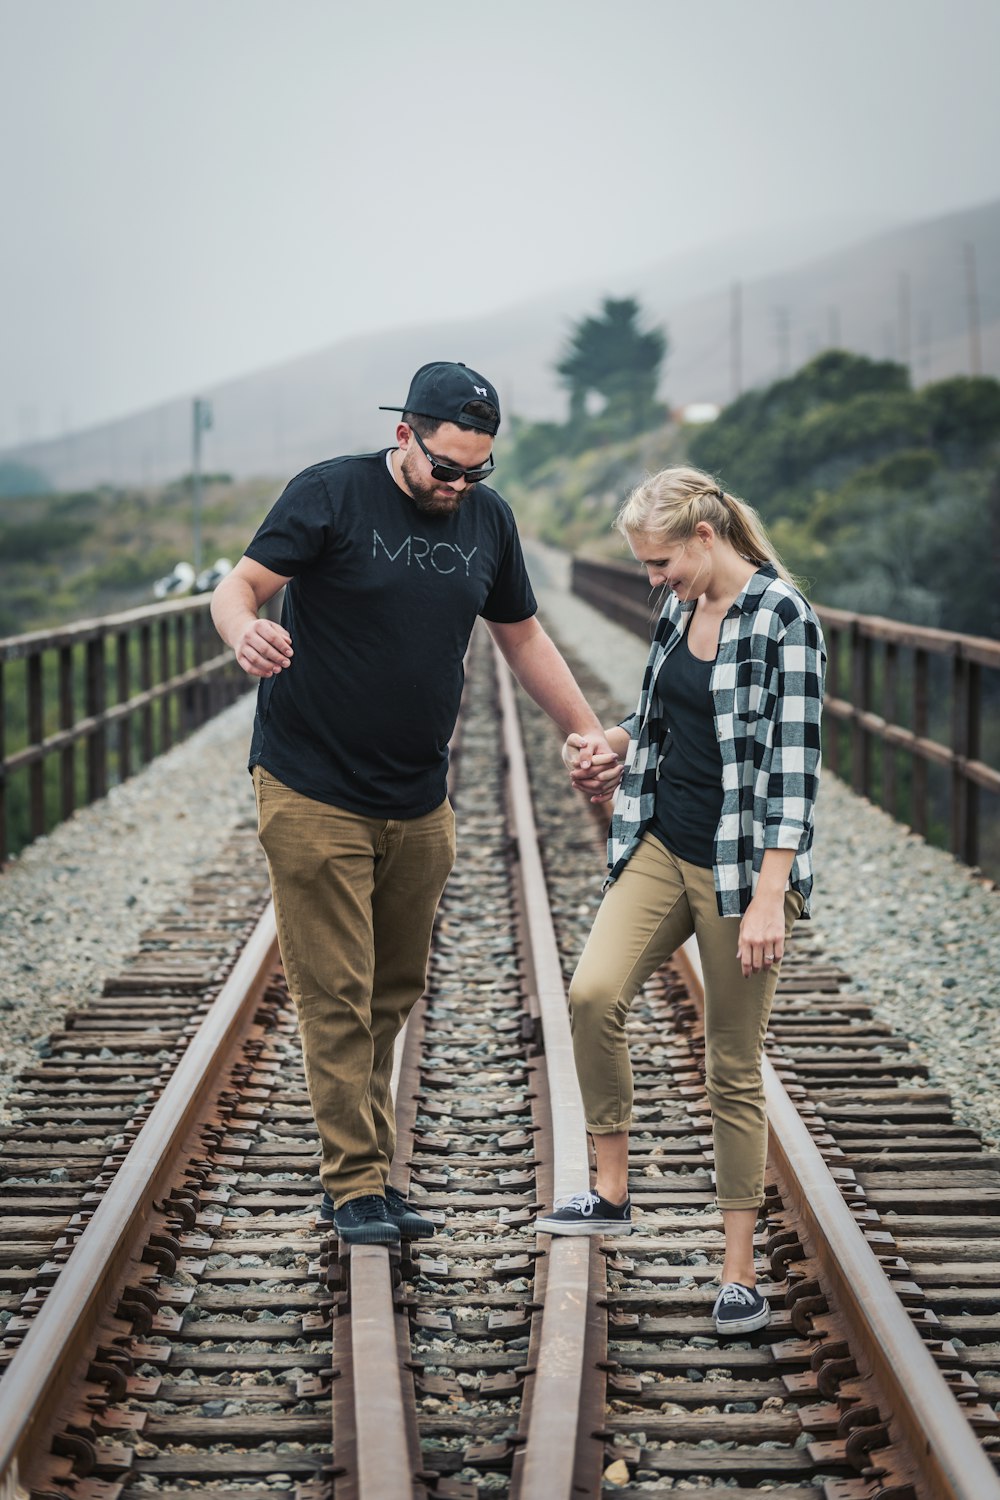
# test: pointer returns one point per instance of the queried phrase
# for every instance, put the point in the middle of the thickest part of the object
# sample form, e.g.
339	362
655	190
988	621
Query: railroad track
227	1347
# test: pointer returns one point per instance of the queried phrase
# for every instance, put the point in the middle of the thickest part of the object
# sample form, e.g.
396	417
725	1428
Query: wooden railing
930	696
85	706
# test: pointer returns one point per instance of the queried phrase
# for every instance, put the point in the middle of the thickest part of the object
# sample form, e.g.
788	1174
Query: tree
839	412
964	411
611	356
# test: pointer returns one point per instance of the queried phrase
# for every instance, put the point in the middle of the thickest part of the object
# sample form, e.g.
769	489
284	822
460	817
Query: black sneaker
324	1214
365	1221
740	1309
411	1225
587	1213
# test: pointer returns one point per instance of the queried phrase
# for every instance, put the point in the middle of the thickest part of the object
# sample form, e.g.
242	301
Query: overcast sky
193	189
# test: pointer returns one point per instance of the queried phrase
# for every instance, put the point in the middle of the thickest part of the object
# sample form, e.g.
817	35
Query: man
388	559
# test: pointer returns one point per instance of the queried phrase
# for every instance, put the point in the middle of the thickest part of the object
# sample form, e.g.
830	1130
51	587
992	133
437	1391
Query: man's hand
264	647
593	766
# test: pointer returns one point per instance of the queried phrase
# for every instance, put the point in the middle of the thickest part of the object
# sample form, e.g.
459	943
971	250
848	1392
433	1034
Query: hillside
276	421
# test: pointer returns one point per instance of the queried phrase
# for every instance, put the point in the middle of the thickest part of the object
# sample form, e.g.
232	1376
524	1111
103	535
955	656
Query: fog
193	191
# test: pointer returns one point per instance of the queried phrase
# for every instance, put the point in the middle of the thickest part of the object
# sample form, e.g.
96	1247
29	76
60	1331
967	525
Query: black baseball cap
443	390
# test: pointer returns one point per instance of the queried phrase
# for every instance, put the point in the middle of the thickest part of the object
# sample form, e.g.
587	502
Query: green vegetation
611	358
610	368
73	556
569	499
886	499
20	479
883	499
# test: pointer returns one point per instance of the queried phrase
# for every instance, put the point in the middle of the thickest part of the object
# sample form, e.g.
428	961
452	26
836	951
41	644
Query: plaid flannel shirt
767	687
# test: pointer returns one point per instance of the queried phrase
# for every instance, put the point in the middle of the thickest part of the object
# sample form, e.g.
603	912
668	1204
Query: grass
72	557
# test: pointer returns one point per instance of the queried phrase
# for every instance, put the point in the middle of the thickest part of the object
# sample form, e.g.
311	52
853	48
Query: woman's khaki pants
653	907
354	900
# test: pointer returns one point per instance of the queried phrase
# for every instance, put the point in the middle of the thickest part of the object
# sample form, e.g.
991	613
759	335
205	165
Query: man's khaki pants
654	906
354	899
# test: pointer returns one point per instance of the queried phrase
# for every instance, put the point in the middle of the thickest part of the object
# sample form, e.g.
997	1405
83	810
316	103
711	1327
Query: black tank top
689	787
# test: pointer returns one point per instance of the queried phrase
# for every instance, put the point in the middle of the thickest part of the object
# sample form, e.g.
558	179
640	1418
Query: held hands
263	648
761	942
593	766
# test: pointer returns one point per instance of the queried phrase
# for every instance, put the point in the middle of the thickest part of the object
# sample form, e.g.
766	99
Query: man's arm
263	647
540	669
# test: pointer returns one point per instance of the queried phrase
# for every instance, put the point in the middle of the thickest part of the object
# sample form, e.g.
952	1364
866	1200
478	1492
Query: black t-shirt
689	786
380	606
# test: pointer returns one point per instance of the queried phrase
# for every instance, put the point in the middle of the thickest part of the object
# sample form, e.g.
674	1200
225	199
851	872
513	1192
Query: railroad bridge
174	1322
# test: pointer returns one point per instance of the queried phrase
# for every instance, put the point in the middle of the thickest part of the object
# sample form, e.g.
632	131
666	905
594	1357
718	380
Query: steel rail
952	1463
381	1454
382	1461
554	1433
39	1377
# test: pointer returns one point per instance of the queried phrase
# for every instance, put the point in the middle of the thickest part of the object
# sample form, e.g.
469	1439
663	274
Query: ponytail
671	503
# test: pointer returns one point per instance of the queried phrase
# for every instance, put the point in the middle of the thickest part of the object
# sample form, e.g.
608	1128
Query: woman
711	835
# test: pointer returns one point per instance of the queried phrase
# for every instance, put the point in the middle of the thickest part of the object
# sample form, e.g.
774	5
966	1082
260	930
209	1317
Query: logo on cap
441	390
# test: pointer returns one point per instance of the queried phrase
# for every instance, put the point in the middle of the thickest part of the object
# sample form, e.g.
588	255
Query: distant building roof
700	411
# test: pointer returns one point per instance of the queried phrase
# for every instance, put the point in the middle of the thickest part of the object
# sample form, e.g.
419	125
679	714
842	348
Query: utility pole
924	340
903	318
736	339
201	421
833	327
782	330
972	304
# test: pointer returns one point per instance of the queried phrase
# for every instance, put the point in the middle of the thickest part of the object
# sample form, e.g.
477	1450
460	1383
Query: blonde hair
670	504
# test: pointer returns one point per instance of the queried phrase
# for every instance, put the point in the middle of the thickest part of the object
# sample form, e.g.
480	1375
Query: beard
430	496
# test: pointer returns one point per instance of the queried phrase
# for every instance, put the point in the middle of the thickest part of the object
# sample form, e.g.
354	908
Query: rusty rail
122	689
378	1451
866	662
382	1459
557	1425
45	1366
952	1463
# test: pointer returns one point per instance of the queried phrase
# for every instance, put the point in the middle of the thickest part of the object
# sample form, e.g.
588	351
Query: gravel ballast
74	904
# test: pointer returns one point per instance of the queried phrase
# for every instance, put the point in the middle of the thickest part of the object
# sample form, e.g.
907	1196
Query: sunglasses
449	473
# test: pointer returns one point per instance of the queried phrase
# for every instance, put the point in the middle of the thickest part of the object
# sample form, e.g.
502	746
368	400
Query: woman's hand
593	766
761	942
